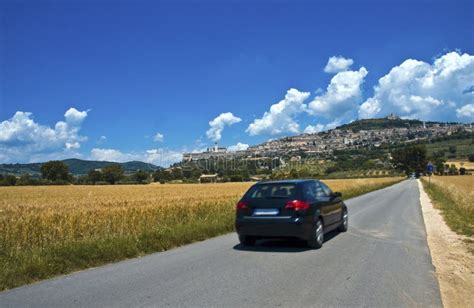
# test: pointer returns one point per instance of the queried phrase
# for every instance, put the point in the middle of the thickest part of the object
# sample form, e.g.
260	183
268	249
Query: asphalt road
383	260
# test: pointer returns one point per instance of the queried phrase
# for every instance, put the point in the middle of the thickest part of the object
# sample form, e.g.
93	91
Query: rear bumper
299	227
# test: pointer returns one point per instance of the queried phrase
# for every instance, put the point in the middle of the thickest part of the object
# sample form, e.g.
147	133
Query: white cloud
159	137
312	129
24	140
74	116
342	96
466	111
238	147
416	89
217	125
73	145
110	155
160	157
163	157
338	64
280	118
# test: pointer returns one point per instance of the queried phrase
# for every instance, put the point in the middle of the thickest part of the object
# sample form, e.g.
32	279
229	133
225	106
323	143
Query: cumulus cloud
163	157
238	147
110	155
416	89
466	111
281	116
22	139
313	129
160	157
338	64
217	125
342	95
159	137
74	116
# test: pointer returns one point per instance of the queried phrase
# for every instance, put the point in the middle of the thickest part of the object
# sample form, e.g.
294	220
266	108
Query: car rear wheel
344	222
247	240
317	236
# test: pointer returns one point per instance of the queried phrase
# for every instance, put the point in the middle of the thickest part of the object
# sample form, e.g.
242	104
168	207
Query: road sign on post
429	170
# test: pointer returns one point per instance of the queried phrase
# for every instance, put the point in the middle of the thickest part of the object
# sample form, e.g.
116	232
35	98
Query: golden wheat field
459	188
37	216
459	204
42	228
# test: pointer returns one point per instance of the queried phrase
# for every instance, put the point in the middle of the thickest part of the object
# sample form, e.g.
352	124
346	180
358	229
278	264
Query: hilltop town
390	130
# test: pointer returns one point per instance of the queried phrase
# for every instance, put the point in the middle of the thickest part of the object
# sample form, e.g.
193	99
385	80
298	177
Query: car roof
293	181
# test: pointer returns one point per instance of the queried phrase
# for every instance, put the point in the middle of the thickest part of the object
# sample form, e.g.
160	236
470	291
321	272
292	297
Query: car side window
309	190
320	191
326	189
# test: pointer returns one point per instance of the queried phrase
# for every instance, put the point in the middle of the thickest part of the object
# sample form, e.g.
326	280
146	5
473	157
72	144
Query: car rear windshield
283	191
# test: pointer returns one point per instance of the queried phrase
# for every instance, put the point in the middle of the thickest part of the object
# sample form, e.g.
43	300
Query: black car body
304	209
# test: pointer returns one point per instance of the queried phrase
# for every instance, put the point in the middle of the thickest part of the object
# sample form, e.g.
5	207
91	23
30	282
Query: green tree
8	180
162	176
176	174
94	176
438	160
25	179
294	174
471	157
410	159
55	170
196	173
112	173
140	176
331	169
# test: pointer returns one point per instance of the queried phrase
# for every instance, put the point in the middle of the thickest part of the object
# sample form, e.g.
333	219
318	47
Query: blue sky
114	74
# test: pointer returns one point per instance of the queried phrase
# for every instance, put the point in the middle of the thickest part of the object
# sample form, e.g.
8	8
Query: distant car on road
303	209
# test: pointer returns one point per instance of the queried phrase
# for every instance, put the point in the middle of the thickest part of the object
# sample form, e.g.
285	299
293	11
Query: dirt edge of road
451	258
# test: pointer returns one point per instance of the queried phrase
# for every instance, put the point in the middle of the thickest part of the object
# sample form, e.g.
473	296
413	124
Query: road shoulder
451	258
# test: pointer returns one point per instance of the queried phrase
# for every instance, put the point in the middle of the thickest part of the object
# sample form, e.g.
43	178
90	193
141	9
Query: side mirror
337	194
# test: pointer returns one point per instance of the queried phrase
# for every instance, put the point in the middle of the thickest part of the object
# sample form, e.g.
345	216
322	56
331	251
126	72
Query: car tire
246	240
317	235
344	221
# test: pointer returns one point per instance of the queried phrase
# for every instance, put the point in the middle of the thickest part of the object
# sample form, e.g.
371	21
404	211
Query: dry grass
454	195
51	230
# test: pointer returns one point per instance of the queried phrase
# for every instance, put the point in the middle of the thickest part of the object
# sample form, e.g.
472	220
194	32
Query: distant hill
76	167
371	124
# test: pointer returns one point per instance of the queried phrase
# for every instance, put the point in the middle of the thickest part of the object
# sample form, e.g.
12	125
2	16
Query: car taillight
297	205
242	205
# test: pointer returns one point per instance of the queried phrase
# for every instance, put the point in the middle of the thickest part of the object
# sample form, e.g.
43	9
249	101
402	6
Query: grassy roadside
45	232
454	197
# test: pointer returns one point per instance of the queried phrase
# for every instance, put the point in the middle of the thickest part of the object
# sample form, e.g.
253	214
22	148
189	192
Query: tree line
57	173
414	159
408	159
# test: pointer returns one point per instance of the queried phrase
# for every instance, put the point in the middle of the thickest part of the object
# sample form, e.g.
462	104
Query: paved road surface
383	260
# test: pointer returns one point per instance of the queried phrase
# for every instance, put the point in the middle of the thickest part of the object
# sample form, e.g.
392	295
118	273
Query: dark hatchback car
303	209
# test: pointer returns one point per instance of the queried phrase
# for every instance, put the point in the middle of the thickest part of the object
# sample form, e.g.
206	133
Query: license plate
268	212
